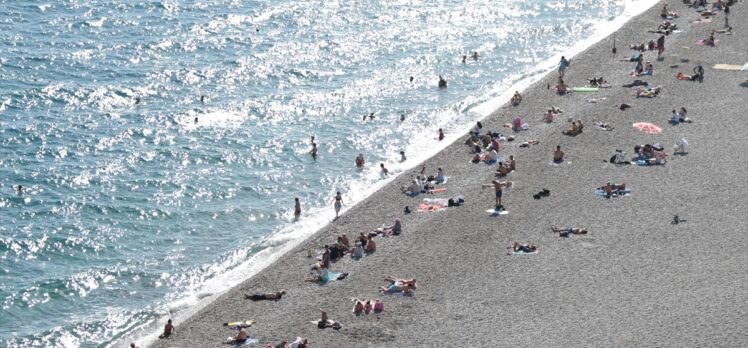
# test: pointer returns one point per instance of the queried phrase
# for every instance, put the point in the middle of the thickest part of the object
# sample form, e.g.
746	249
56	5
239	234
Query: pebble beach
634	280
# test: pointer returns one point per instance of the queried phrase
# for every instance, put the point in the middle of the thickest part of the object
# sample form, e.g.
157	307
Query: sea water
160	144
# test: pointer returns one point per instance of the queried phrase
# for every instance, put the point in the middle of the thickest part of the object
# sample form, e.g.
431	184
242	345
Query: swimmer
137	100
202	99
475	55
19	189
402	156
314	151
464	59
411	79
402	117
195	119
442	82
297	207
371	116
360	161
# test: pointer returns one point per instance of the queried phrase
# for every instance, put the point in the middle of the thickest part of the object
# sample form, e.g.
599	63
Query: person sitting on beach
358	251
491	156
477	129
548	117
412	190
633	58
371	246
561	87
241	336
503	170
681	147
325	322
273	296
512	163
524	248
648	70
638	70
676	118
358	308
516	98
343	240
168	330
636	47
393	230
574	131
710	41
558	155
564	232
360	161
440	178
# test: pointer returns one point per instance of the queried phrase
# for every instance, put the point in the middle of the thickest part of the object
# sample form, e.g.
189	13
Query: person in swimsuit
512	163
558	155
360	161
564	232
497	185
338	203
168	330
525	248
297	207
441	134
402	156
314	151
274	296
562	65
385	172
241	337
442	82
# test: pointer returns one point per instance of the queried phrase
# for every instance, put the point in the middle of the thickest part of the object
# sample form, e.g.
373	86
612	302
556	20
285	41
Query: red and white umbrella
648	128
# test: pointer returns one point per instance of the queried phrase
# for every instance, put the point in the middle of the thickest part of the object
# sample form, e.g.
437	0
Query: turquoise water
139	198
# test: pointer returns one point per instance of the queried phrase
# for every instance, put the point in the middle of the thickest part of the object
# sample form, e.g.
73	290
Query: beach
633	280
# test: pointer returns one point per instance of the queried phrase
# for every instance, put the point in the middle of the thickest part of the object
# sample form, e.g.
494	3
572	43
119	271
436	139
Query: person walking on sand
338	203
562	65
660	46
360	161
497	185
297	207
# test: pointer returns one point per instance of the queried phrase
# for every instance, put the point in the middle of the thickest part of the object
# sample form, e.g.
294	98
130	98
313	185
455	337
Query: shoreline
358	220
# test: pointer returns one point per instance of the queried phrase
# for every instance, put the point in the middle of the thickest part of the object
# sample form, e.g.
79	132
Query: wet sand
635	280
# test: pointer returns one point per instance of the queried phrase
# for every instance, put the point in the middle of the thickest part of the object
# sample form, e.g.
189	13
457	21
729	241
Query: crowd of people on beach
485	146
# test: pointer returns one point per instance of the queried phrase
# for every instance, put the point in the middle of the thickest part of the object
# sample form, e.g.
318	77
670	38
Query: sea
151	150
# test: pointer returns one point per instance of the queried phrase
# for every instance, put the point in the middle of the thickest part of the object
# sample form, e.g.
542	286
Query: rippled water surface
136	194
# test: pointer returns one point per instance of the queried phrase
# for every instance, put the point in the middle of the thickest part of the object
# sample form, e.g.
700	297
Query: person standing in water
360	161
402	156
314	151
385	172
297	207
442	82
441	134
338	203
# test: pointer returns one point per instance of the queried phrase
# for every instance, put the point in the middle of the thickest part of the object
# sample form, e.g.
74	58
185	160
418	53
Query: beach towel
237	324
425	208
437	190
250	341
584	89
732	67
495	212
702	42
681	76
520	252
599	192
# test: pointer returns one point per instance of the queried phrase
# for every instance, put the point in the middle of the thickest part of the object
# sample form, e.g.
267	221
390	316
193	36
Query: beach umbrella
648	128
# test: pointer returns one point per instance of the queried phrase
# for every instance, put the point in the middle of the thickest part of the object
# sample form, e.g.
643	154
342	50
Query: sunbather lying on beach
530	142
398	285
611	189
324	276
524	247
648	93
604	126
274	296
564	232
636	83
633	58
